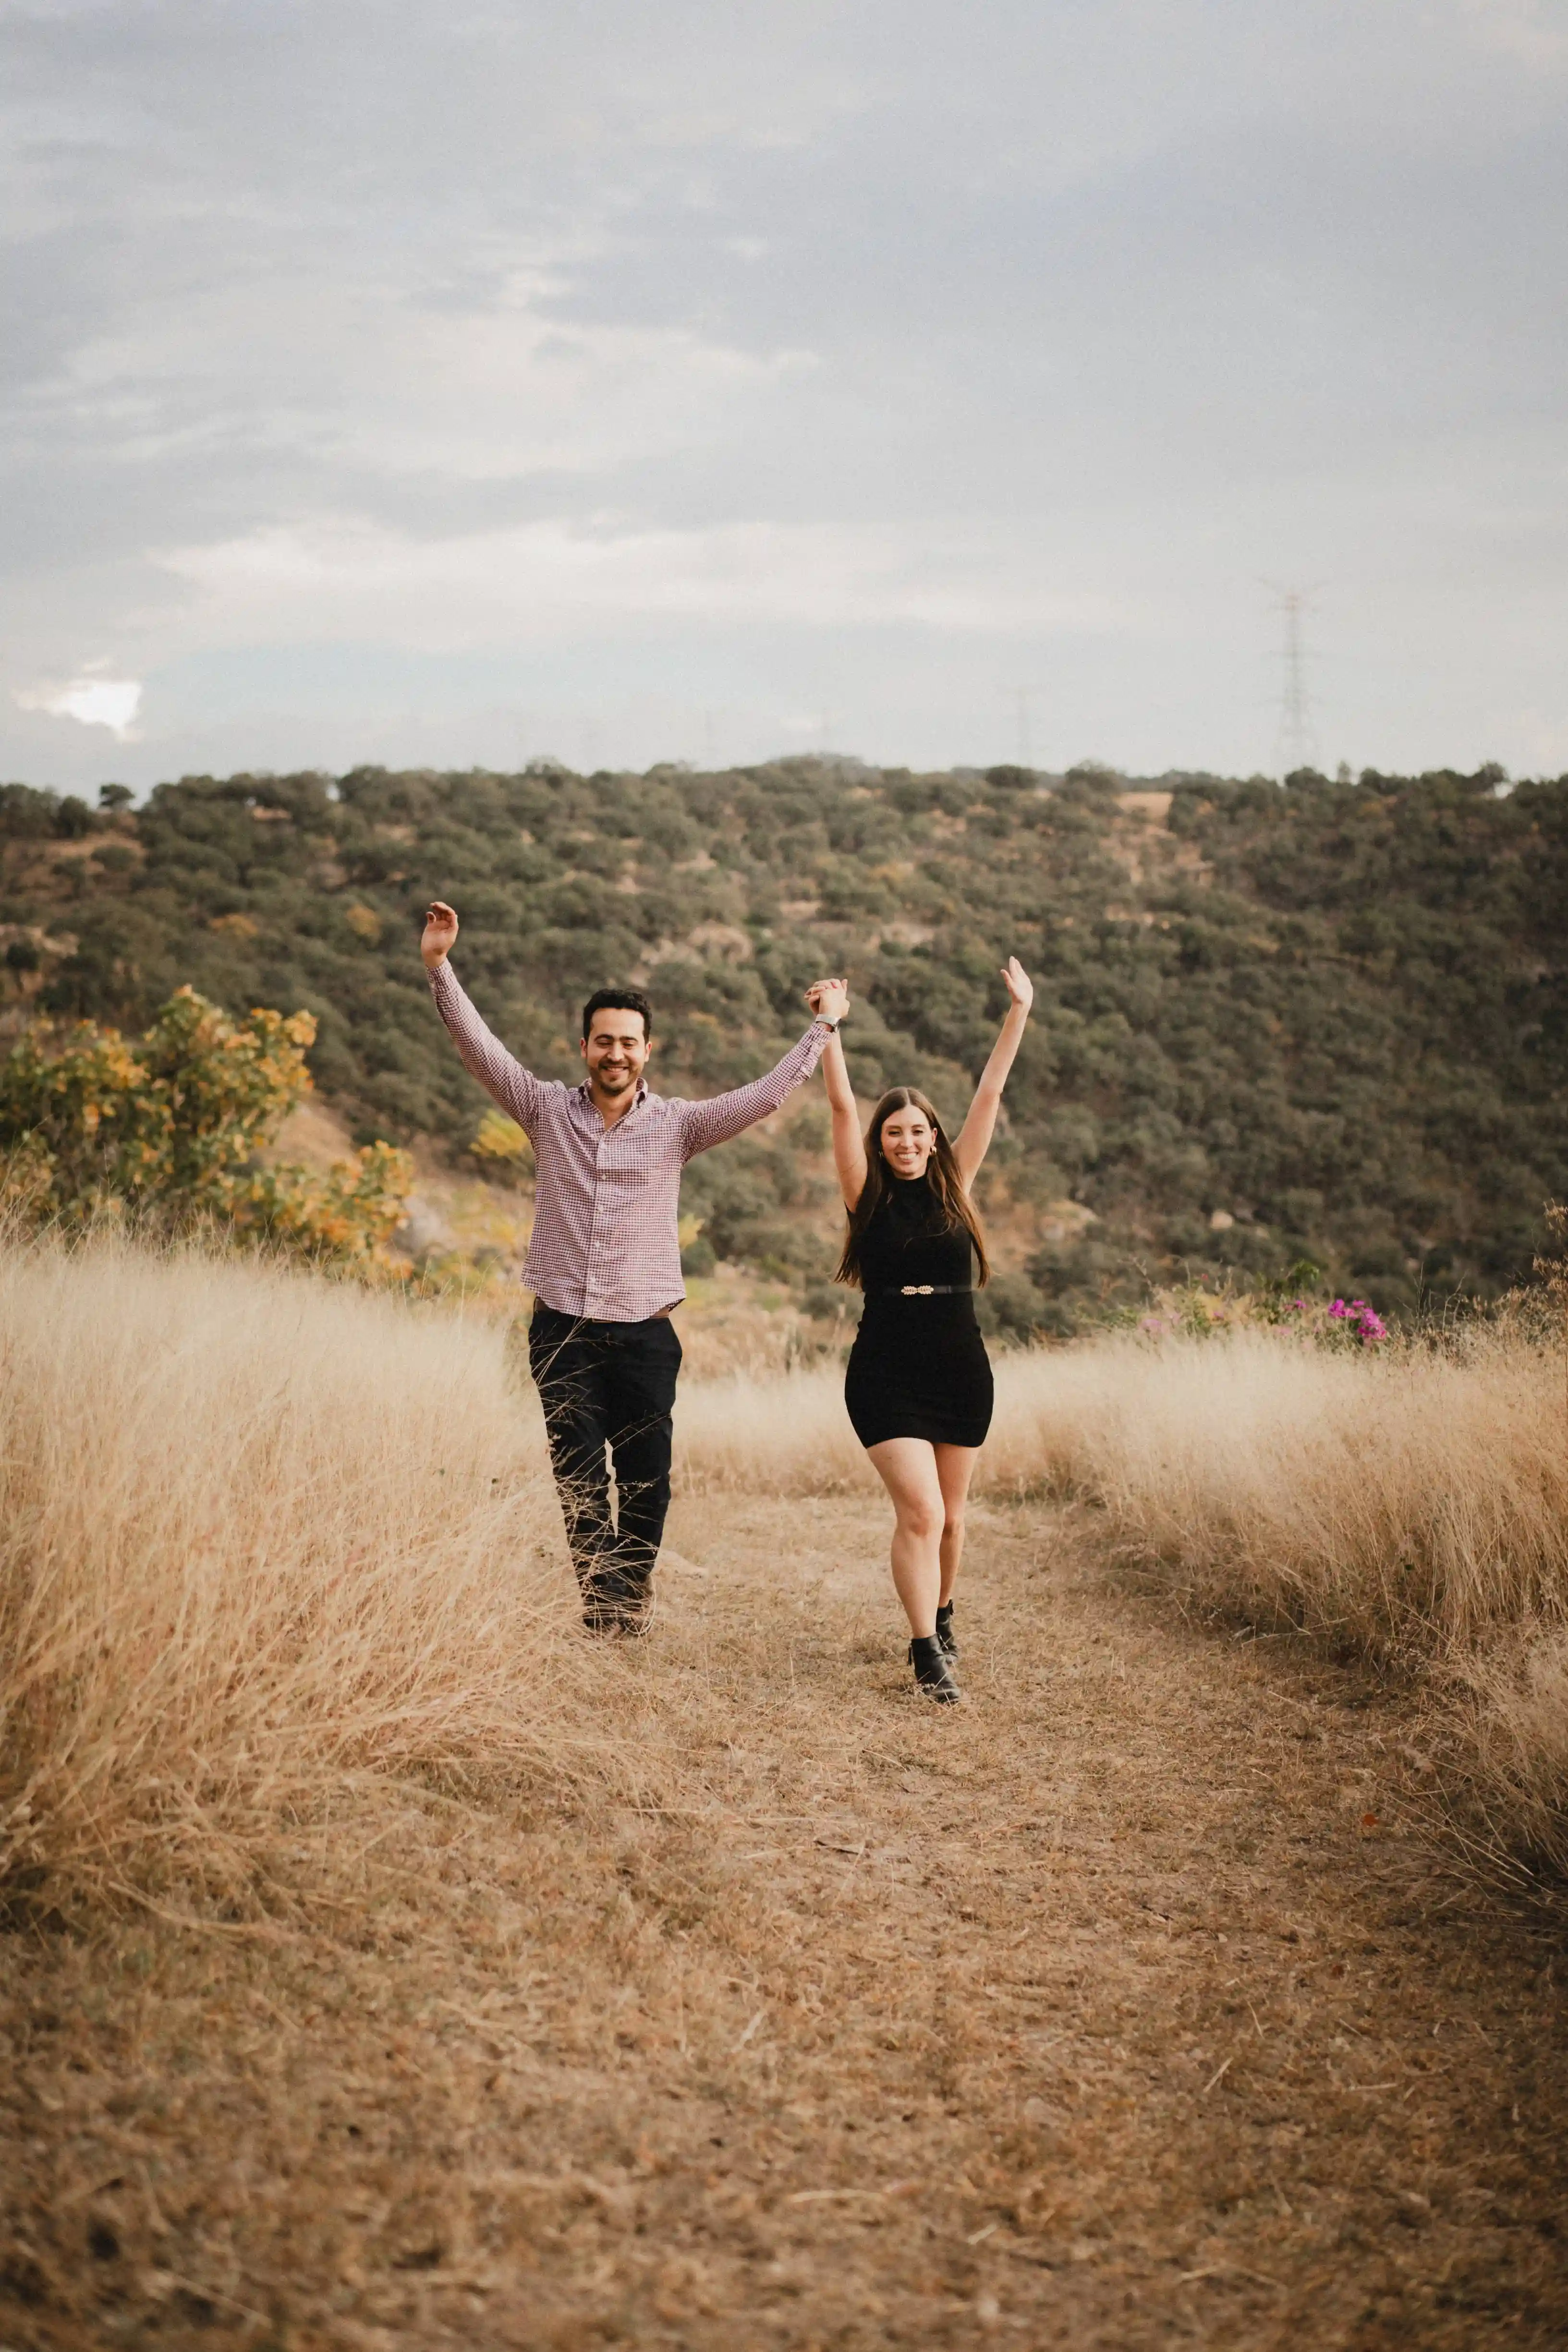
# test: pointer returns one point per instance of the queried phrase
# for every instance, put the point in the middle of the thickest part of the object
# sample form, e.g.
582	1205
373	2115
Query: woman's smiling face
908	1140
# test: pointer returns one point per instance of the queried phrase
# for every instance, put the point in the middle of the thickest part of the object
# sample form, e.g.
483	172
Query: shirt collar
584	1086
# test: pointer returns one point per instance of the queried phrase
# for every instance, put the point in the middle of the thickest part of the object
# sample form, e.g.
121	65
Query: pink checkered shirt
605	1229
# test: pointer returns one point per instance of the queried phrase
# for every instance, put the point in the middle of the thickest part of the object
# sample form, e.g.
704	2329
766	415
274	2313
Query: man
604	1263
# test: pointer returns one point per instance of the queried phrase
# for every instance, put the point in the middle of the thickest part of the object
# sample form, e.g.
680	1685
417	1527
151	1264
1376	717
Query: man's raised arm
500	1074
723	1115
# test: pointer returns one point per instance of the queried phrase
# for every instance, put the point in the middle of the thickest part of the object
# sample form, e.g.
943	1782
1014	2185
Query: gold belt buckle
918	1289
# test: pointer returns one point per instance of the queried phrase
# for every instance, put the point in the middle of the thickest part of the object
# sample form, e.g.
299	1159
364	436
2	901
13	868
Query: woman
919	1383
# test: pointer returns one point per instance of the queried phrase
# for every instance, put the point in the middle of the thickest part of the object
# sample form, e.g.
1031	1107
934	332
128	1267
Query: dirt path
1123	2008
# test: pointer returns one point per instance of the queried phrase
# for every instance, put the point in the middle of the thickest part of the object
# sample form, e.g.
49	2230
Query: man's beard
617	1082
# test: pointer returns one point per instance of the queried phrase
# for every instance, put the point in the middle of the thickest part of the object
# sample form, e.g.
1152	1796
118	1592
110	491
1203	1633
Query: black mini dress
919	1366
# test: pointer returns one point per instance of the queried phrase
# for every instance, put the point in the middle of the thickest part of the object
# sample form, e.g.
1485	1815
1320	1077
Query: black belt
927	1290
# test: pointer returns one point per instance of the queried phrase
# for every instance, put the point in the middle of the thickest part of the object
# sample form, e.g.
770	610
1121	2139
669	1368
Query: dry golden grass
1117	2009
271	1545
1407	1505
472	1984
265	1543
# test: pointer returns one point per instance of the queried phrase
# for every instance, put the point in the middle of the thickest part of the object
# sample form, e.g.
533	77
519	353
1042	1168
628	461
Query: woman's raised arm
974	1138
848	1149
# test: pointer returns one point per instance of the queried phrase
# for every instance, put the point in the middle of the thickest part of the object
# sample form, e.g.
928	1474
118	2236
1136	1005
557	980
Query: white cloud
111	702
541	580
1522	29
400	385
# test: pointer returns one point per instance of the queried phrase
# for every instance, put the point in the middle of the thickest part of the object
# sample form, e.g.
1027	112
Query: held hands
1019	986
828	999
440	931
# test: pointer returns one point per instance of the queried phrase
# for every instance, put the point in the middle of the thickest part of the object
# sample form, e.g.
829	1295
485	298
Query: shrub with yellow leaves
500	1139
167	1134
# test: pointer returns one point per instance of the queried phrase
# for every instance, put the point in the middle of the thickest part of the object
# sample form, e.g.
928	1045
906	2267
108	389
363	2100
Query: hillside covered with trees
1327	1020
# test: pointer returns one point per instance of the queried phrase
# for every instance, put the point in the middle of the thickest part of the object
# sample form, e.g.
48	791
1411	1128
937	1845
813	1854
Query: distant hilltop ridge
1323	1021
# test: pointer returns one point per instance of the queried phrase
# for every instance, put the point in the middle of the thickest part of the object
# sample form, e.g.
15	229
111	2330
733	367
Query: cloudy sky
938	382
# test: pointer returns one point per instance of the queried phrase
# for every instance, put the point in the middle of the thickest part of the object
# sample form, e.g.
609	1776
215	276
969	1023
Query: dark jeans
608	1384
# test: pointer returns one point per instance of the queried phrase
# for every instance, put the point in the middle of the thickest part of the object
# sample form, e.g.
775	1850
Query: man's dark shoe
944	1633
615	1603
933	1675
603	1616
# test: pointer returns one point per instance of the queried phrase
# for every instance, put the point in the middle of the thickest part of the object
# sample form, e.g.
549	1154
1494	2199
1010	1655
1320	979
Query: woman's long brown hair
942	1175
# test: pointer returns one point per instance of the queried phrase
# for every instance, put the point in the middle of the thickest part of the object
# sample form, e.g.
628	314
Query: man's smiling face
616	1051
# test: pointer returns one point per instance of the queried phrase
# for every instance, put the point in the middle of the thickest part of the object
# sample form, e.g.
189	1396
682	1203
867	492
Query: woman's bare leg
954	1469
907	1467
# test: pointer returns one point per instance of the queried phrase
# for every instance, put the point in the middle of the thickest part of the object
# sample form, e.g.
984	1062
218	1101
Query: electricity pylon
1022	696
1295	744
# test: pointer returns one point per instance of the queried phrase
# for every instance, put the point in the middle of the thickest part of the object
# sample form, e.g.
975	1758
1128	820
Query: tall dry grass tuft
265	1542
1409	1505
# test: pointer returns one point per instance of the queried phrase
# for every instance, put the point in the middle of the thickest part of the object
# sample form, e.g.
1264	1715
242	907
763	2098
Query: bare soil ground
1130	2005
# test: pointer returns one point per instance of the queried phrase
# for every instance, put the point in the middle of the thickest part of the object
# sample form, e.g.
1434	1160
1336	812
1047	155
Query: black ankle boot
933	1675
944	1633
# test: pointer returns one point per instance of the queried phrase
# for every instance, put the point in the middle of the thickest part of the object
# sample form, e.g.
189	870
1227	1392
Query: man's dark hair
618	1000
